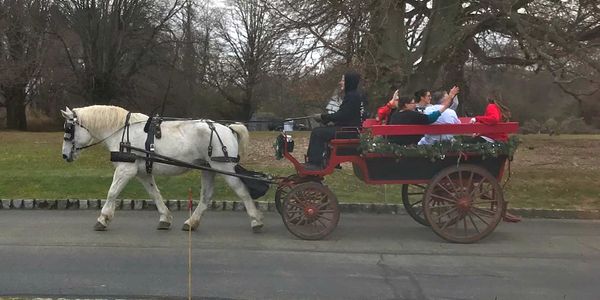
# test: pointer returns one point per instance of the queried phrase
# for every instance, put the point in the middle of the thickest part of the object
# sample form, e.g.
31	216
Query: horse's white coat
182	140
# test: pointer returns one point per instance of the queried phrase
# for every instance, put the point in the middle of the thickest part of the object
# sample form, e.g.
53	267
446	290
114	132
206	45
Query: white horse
182	140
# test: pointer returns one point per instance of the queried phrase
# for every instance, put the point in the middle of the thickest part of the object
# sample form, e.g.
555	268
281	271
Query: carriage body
440	186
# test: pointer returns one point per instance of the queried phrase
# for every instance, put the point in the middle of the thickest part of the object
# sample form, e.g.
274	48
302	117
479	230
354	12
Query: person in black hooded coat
349	115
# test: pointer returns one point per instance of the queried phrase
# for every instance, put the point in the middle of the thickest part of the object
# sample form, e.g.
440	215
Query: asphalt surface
53	253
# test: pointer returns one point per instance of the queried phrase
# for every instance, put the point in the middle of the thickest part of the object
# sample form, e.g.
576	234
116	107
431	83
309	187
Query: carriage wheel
310	211
280	193
464	204
412	198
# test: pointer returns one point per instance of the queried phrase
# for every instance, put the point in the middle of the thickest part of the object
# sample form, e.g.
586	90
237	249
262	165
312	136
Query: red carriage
458	194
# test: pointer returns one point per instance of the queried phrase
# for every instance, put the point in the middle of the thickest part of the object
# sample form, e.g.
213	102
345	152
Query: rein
70	132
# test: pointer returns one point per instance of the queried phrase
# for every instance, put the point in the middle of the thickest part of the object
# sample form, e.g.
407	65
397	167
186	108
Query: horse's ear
66	114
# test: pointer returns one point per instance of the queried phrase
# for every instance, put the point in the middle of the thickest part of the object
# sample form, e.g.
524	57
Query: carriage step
117	156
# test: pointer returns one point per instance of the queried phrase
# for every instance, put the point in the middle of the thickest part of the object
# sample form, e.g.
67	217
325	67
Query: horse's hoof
99	227
162	225
187	227
257	228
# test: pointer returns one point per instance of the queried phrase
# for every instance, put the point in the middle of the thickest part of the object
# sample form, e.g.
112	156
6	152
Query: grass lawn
547	172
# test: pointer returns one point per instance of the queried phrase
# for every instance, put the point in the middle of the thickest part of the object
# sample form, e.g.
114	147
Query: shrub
551	127
39	121
575	125
531	127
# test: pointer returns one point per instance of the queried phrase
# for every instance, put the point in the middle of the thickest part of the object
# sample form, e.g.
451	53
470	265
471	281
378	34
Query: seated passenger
423	98
408	116
348	115
384	112
494	113
448	117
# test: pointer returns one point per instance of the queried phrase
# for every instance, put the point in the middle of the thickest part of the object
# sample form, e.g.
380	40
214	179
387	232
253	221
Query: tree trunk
441	41
389	68
101	90
15	107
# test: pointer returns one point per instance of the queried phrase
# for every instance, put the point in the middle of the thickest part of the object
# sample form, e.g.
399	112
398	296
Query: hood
351	80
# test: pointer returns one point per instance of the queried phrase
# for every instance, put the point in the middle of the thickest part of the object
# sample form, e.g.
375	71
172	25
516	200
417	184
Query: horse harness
153	130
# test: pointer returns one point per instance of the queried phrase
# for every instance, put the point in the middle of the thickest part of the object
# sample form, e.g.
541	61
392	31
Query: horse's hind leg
208	184
165	215
240	189
123	173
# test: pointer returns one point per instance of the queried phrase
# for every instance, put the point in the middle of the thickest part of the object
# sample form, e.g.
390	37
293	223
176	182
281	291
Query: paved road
55	253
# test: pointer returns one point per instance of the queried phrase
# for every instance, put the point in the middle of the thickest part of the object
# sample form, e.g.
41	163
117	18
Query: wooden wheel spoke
443	198
323	205
445	214
292	204
478	185
416	193
481	193
449	222
485	202
443	206
423	187
490	213
473	222
326	211
446	190
452	182
480	218
321	222
418	202
296	219
470	184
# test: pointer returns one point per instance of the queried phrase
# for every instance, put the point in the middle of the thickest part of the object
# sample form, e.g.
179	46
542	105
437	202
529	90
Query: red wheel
463	204
412	199
280	193
310	211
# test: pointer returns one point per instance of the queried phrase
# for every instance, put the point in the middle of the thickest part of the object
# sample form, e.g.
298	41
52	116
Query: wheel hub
310	211
464	204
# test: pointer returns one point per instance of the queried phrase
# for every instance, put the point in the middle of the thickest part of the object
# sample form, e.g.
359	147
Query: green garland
379	144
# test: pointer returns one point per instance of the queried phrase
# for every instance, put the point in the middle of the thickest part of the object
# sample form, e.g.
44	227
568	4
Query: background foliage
236	58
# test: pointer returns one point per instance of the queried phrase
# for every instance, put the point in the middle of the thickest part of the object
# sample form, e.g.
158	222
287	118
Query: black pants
319	137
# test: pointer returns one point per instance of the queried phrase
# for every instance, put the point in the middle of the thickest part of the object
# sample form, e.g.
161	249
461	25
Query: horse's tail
243	137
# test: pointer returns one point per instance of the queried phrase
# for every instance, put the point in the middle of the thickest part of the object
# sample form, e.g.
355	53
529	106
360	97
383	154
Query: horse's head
76	136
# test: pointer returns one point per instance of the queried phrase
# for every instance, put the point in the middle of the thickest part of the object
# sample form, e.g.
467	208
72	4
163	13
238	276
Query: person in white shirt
448	116
336	99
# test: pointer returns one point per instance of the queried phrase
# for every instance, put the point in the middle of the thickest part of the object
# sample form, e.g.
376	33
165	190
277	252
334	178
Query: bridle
69	136
69	128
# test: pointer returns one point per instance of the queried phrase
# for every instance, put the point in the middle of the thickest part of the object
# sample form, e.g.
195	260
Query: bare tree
22	44
252	46
116	40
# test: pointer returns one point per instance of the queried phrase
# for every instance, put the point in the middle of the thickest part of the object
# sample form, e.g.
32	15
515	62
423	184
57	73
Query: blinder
69	128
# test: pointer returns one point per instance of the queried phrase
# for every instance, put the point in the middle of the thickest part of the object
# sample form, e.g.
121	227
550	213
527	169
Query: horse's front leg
123	173
208	184
165	214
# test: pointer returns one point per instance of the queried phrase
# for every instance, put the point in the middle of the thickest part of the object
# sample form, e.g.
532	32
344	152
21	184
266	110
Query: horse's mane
104	117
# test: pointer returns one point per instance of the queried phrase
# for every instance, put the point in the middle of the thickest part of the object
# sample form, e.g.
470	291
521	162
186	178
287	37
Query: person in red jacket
384	112
494	113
